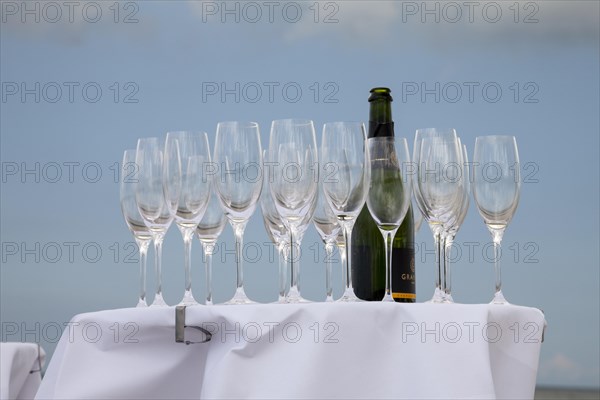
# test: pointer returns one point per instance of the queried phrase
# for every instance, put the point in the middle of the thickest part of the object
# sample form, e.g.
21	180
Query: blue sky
188	65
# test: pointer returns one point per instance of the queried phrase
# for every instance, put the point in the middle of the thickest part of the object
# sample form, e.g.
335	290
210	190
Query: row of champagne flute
175	184
442	187
172	185
442	195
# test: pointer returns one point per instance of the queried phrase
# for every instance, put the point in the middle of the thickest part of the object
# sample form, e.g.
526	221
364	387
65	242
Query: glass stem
497	250
238	230
438	270
328	286
447	274
497	239
342	250
209	248
388	239
282	270
348	272
442	261
294	284
158	241
143	248
188	234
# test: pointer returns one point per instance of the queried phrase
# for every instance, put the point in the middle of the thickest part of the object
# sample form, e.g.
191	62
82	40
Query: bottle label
411	296
403	274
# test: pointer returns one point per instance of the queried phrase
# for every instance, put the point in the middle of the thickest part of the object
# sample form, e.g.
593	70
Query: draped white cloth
318	350
20	370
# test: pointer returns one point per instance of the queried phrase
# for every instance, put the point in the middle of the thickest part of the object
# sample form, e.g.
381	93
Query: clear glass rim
293	121
186	132
149	138
160	144
394	139
438	130
338	123
242	124
496	137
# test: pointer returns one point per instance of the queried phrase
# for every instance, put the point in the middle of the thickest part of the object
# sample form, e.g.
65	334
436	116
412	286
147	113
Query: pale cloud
72	23
562	364
352	21
562	368
438	22
552	22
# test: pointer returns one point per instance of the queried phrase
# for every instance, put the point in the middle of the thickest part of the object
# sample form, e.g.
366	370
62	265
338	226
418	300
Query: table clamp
180	328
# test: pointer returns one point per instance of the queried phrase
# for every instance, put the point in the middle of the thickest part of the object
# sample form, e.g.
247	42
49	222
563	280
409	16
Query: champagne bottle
368	254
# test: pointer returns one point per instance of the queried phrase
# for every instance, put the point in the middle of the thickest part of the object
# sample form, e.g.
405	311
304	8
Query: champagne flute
275	227
496	188
389	193
436	186
293	149
328	228
187	155
347	170
238	155
208	230
134	220
455	224
153	206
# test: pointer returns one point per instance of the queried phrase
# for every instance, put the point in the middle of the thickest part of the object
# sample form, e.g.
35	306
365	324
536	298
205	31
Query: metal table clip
180	328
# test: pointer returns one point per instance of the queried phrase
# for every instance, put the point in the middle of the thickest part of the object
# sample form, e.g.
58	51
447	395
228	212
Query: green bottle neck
380	113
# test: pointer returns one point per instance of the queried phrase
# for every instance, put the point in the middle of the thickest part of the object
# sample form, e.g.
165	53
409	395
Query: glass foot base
499	298
294	297
448	298
239	298
295	300
437	298
349	296
188	299
142	303
159	301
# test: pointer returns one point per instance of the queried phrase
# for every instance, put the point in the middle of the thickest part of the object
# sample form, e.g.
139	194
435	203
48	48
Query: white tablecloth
319	350
20	370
